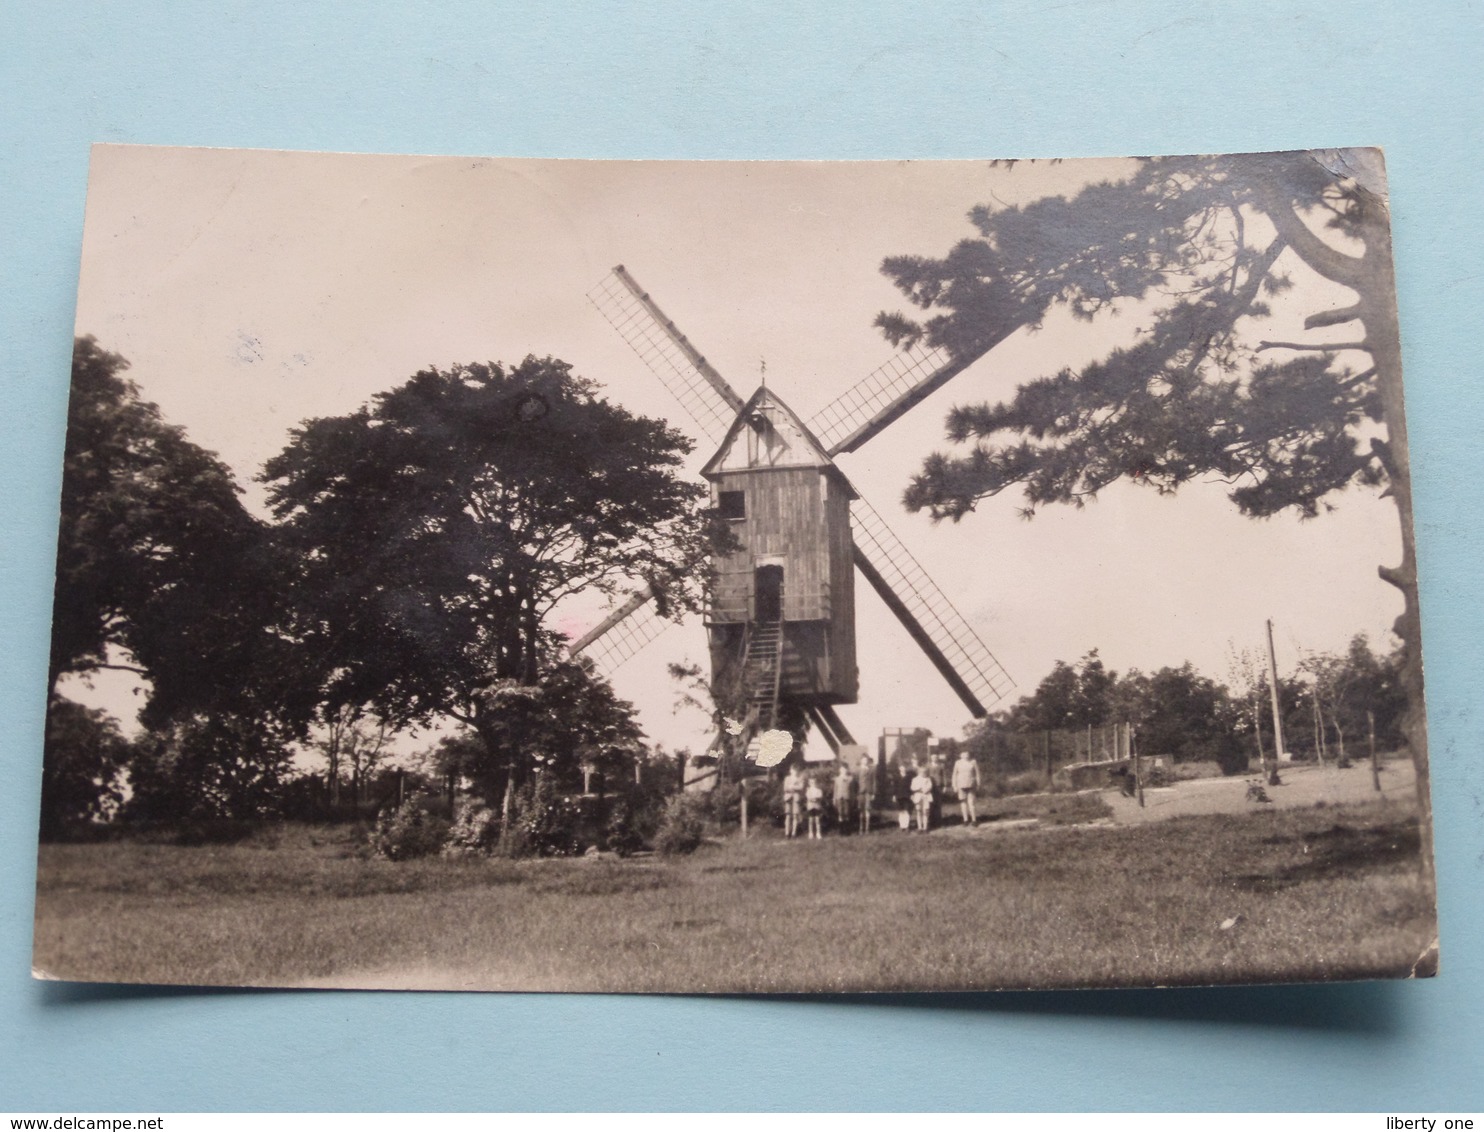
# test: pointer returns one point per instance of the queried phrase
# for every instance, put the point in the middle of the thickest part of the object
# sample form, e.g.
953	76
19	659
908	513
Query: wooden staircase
762	674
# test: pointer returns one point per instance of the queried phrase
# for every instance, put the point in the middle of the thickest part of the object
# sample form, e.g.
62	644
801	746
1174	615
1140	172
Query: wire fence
1015	752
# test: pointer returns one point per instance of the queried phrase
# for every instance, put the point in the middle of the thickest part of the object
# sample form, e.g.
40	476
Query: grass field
1315	893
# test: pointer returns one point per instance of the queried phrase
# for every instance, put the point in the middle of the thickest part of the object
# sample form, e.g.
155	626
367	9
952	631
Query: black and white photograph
735	577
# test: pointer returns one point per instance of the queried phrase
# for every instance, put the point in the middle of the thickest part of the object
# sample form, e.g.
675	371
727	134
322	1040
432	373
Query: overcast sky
252	290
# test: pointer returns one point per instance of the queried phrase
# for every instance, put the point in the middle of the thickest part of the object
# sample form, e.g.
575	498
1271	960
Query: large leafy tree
1068	697
82	774
1189	716
213	766
163	573
1209	245
160	569
439	526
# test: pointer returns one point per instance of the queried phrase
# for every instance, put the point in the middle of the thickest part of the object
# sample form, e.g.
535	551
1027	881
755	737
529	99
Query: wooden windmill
781	620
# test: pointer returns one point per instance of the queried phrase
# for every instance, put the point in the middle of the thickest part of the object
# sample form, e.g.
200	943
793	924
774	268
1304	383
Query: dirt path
1303	785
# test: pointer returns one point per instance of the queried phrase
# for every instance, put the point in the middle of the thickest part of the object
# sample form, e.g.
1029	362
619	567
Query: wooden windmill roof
766	433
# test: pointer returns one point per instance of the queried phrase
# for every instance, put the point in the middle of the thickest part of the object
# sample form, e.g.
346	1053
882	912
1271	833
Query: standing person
965	783
922	798
814	806
865	794
938	773
902	793
844	796
793	801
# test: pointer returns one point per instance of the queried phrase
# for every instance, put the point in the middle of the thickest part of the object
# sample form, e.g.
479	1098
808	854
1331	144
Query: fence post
1370	719
1138	770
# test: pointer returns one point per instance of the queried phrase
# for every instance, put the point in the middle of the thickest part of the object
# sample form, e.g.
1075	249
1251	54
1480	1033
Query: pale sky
252	290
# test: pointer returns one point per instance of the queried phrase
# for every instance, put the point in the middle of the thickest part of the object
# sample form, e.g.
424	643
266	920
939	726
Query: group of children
854	796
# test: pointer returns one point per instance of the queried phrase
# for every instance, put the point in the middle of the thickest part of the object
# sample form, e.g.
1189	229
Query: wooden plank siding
786	520
799	516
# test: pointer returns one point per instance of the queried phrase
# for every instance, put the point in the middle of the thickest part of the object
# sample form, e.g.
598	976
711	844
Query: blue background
744	80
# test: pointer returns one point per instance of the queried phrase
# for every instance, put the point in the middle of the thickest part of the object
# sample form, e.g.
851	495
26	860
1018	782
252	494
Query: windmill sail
870	405
885	394
938	628
622	633
701	391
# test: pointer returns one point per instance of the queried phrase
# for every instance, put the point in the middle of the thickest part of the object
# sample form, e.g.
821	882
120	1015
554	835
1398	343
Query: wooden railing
740	604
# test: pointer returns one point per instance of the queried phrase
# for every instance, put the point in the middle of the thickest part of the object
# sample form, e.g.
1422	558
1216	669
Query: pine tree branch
1319	347
120	668
1332	318
1332	264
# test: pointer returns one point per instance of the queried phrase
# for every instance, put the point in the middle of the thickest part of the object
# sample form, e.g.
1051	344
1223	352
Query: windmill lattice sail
881	397
701	391
622	633
950	643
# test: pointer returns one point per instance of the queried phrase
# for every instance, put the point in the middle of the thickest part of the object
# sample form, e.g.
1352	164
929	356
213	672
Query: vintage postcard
735	577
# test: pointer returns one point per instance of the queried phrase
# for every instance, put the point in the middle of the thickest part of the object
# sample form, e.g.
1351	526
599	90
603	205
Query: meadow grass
1314	893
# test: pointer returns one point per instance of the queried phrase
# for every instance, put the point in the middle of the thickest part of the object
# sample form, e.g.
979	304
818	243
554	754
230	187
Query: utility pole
1278	749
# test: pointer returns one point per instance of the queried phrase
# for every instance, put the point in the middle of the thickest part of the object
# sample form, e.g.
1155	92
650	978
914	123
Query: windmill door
768	586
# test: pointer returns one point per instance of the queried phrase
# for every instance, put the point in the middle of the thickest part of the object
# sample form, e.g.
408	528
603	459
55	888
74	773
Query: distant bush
543	823
633	817
1230	755
1156	775
722	804
629	828
765	801
1026	782
682	828
408	831
1008	785
475	830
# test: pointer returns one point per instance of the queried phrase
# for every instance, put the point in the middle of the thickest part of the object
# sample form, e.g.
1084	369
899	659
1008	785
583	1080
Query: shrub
542	824
682	828
765	801
634	817
1026	782
624	831
475	830
1156	775
1230	755
721	805
408	831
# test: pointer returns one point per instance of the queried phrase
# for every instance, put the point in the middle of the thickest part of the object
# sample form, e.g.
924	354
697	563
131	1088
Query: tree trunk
1262	758
1373	278
1370	719
1318	731
1378	312
507	805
